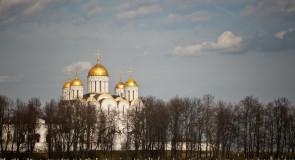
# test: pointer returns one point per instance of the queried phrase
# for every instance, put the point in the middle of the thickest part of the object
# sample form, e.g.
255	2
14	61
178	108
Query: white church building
125	96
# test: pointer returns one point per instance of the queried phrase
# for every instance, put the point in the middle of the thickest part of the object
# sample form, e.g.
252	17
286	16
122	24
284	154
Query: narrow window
95	86
37	138
123	110
73	94
133	94
129	95
100	86
77	93
108	109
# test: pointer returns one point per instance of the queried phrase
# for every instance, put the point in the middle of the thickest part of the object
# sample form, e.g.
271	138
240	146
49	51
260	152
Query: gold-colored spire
76	81
130	72
120	85
98	54
68	73
120	76
67	84
76	70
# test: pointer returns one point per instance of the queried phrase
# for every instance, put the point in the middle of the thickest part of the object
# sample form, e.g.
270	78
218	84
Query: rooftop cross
68	73
130	72
76	70
98	54
120	76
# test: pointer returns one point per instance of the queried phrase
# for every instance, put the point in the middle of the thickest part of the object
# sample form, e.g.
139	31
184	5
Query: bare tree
6	128
208	103
50	116
176	125
33	114
20	130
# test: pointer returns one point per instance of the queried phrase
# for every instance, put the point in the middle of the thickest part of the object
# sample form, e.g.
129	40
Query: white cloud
227	41
90	8
282	34
13	10
7	79
130	14
80	64
195	17
273	9
137	46
142	54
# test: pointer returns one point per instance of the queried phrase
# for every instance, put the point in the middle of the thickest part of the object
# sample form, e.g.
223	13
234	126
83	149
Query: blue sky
227	48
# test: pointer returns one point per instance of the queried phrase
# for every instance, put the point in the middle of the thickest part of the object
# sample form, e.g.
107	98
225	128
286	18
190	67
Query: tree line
201	128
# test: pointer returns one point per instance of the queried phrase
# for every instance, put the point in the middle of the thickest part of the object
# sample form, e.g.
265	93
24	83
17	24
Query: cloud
130	14
7	79
227	41
145	53
13	10
80	64
282	34
272	9
90	8
195	17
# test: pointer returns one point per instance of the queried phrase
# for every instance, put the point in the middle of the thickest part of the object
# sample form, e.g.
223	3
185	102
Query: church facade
125	96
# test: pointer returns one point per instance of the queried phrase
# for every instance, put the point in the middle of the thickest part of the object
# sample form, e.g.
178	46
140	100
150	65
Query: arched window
100	86
129	95
37	138
123	110
108	109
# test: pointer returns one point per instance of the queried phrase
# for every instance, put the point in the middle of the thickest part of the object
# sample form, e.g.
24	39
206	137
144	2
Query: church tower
98	78
131	88
119	89
76	88
66	88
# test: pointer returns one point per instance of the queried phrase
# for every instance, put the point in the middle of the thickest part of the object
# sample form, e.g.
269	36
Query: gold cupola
67	84
76	81
120	85
130	82
98	69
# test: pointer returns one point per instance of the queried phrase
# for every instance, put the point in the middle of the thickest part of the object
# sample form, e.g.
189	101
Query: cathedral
125	96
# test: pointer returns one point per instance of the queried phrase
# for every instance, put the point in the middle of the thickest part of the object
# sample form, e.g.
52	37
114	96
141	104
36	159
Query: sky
187	48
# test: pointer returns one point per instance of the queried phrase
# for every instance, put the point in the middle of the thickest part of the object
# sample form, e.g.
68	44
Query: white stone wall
98	84
66	93
76	92
131	93
119	92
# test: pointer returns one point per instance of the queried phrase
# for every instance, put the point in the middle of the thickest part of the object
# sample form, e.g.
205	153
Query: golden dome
130	82
120	85
67	84
98	70
76	82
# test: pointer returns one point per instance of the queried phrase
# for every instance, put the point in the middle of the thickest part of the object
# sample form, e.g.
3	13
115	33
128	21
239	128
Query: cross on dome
120	76
76	70
130	72
98	54
68	73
